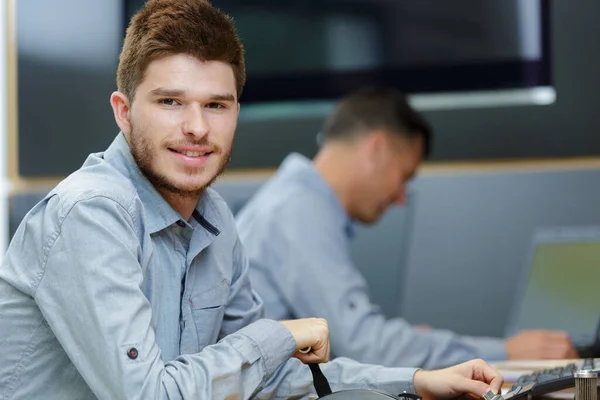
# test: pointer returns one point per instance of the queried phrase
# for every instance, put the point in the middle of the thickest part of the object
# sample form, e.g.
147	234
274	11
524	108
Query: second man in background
297	229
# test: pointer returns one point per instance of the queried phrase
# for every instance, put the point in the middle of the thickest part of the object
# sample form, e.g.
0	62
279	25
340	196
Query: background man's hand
310	332
473	378
540	344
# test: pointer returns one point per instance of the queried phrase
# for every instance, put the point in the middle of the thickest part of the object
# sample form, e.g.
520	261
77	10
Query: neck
335	164
184	205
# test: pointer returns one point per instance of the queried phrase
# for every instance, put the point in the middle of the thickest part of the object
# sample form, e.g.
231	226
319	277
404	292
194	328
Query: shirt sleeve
90	295
294	379
306	262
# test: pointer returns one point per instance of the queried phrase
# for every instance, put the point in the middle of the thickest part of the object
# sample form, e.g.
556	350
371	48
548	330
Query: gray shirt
297	236
105	292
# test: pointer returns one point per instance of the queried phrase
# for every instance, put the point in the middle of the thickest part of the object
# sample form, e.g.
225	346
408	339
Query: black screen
321	49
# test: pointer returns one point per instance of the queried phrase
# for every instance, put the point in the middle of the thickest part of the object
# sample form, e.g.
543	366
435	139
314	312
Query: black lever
319	380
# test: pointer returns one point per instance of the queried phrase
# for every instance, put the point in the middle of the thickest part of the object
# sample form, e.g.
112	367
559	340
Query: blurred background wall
510	87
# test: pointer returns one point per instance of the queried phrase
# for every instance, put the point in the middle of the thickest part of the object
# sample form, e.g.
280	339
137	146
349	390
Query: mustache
215	148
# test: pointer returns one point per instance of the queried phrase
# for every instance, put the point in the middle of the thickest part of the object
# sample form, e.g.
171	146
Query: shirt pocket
208	310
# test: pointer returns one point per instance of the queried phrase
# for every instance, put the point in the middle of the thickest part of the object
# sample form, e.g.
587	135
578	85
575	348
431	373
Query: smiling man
128	281
180	166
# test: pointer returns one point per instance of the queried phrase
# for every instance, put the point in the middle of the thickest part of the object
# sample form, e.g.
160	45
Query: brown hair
376	108
167	27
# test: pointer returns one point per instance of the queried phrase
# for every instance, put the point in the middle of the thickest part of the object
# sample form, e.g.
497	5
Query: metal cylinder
586	383
489	395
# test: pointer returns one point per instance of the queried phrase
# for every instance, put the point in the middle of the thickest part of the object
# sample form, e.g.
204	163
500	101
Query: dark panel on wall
68	51
67	57
566	128
325	48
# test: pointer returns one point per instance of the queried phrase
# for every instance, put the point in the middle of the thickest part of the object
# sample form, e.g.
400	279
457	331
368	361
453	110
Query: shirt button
132	353
181	223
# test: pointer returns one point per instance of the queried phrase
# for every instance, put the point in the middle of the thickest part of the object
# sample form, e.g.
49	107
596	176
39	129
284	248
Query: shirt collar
159	213
303	171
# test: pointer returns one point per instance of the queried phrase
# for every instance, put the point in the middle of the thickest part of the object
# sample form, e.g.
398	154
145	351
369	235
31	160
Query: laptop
559	287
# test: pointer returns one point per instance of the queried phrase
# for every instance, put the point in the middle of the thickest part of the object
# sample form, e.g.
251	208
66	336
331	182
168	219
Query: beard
144	153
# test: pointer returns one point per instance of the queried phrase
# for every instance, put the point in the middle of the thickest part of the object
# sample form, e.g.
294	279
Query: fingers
480	371
308	332
312	339
310	355
555	335
542	334
573	353
473	387
472	378
558	345
559	351
491	377
535	344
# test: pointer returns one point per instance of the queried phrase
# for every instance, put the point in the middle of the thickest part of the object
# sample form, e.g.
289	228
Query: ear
120	105
376	144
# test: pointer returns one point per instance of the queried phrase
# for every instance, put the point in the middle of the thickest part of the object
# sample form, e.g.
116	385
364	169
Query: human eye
215	105
168	102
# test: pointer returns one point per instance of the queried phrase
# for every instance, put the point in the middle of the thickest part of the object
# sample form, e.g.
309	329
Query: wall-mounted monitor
322	49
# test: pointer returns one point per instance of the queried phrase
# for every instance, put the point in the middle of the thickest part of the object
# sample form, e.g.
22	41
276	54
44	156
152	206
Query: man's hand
473	378
540	344
313	333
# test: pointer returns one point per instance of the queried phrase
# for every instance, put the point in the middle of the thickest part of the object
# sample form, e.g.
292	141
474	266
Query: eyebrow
168	92
223	97
180	93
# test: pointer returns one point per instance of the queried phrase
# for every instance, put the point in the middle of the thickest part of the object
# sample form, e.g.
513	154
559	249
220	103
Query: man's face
386	182
182	123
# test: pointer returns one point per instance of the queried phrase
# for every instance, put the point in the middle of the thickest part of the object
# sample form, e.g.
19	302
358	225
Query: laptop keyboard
549	380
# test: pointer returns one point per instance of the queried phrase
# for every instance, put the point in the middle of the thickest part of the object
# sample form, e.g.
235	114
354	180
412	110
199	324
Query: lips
191	153
193	150
192	157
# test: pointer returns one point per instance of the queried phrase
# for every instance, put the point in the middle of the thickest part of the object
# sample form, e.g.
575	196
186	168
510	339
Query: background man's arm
308	264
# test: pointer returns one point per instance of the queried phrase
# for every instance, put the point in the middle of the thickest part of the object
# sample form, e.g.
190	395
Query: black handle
319	380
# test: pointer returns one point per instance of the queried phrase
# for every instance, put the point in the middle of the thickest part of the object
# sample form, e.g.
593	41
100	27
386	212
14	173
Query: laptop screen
561	289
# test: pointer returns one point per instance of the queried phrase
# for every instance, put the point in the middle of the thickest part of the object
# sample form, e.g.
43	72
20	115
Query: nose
194	123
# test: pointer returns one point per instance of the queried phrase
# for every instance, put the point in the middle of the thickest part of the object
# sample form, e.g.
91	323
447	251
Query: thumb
470	386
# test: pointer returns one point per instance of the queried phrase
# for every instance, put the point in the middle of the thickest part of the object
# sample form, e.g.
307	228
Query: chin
193	180
372	220
367	219
376	217
184	185
195	186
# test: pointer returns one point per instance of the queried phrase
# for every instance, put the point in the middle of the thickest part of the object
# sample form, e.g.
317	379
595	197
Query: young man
129	281
297	229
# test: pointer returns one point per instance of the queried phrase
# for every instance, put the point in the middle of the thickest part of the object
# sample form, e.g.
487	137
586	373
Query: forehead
411	147
408	153
185	72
